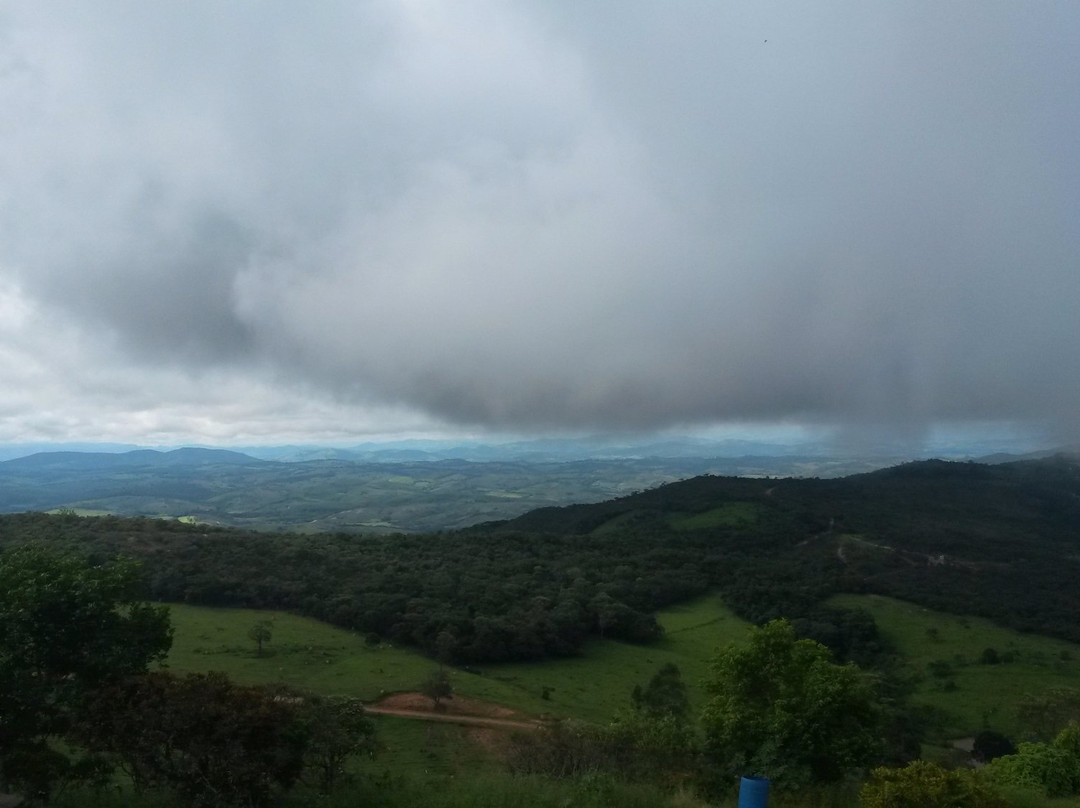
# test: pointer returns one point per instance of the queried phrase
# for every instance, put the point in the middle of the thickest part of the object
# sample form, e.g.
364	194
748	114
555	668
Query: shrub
1052	767
922	784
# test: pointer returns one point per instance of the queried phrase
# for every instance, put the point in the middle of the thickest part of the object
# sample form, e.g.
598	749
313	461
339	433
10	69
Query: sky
271	222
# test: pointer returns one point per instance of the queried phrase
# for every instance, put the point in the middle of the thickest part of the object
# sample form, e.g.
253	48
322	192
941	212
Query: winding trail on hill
452	718
458	710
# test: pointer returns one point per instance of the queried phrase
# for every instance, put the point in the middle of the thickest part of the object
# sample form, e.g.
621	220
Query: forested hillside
998	541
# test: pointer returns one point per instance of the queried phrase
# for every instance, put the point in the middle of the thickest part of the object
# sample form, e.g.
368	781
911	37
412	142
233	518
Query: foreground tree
337	729
210	741
782	708
66	627
1053	767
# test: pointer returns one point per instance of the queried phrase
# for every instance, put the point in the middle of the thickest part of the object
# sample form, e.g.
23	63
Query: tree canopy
780	707
66	626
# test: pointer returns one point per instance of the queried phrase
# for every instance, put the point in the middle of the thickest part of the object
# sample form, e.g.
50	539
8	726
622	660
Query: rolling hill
1002	542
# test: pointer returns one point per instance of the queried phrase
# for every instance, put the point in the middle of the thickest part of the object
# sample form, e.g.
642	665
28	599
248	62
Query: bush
1052	767
922	784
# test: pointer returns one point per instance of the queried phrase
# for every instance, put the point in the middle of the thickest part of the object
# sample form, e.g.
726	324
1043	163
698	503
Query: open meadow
969	669
332	661
433	764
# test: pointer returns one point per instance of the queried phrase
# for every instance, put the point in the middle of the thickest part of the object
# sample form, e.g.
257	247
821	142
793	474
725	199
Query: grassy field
730	514
947	651
446	765
312	655
598	683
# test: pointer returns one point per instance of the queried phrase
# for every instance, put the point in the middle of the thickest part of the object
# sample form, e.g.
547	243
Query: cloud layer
549	215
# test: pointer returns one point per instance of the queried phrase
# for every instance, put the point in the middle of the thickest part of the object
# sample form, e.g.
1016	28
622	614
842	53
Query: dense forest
998	541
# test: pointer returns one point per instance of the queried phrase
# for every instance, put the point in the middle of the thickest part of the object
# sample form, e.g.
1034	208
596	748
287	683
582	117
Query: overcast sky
262	221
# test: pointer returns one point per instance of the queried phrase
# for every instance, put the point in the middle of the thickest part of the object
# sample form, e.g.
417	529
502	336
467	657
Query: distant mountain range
136	459
410	486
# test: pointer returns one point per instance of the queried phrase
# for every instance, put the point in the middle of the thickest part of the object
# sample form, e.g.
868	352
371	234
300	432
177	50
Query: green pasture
947	651
315	656
730	514
302	653
944	651
596	684
79	512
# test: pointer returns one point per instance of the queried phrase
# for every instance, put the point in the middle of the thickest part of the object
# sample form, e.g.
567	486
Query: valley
950	584
366	493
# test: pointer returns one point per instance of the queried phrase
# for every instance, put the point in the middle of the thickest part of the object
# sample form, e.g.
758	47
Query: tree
437	687
66	627
212	742
337	729
782	708
664	695
261	632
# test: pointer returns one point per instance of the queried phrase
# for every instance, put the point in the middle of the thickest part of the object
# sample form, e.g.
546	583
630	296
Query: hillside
1001	542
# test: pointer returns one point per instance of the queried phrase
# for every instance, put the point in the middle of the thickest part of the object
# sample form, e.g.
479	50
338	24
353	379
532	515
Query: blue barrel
754	792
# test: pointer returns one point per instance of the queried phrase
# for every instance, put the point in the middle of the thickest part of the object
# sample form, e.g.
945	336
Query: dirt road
454	718
458	710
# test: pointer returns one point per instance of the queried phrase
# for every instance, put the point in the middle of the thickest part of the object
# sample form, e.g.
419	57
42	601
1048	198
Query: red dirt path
456	710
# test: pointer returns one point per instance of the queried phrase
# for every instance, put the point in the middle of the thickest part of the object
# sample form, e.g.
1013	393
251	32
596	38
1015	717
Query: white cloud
536	216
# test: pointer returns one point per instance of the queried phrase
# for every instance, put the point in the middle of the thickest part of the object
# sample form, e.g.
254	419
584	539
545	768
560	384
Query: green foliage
497	597
782	708
337	729
65	627
1052	767
664	695
927	785
941	534
212	742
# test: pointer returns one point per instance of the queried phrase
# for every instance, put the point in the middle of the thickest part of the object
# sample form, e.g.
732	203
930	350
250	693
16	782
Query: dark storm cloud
561	214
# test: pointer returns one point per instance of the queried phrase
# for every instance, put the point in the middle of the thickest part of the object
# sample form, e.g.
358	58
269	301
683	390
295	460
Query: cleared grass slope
951	655
315	656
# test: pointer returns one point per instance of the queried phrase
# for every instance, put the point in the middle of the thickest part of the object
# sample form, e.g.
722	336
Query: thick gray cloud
559	215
